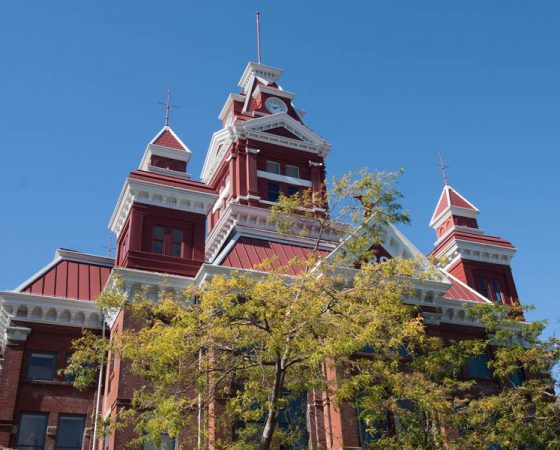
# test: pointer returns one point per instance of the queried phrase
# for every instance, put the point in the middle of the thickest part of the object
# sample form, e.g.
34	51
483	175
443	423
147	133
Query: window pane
272	167
292	171
292	190
477	367
273	191
31	431
483	287
41	366
516	378
70	432
167	443
498	296
176	241
158	234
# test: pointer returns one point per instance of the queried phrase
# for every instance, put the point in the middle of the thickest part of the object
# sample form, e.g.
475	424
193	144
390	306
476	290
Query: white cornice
269	74
476	251
219	145
272	91
50	310
134	277
231	98
245	217
173	197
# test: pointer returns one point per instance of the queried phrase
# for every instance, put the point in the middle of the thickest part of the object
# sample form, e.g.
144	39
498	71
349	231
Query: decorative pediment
284	122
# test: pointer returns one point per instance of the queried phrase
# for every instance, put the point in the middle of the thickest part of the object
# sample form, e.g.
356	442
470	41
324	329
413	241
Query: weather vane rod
258	37
442	166
168	106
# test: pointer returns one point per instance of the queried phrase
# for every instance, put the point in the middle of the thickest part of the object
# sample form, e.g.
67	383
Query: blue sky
388	83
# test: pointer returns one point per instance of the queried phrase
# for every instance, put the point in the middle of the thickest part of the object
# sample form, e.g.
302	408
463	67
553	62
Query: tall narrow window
273	167
32	429
41	366
292	171
158	236
176	242
498	295
70	432
273	191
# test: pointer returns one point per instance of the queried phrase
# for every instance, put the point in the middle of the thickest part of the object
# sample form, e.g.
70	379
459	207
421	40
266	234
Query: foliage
250	345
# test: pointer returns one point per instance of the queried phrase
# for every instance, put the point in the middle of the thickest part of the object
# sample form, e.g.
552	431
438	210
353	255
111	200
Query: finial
258	37
168	106
442	166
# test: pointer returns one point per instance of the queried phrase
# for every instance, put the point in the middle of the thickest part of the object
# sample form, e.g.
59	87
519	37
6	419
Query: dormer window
273	167
292	171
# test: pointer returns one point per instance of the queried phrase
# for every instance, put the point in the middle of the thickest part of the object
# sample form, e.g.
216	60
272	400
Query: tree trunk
272	418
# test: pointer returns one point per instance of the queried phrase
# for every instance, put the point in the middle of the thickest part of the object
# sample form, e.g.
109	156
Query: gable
281	131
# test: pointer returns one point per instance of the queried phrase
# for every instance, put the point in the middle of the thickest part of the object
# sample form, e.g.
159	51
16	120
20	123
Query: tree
249	345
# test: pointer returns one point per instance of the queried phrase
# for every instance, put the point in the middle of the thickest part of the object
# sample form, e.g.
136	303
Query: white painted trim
269	74
151	193
131	277
221	198
169	172
10	302
284	179
231	98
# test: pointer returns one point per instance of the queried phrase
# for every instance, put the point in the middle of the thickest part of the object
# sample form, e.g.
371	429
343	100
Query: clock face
275	105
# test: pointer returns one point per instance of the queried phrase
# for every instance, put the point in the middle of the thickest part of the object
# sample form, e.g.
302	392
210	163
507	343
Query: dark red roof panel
457	200
70	279
442	205
458	291
251	253
166	139
170	181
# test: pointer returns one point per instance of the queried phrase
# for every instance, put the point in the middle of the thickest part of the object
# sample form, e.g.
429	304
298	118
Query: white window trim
284	179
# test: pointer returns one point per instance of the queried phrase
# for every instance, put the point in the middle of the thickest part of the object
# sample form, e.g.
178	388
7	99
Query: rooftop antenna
258	37
168	106
109	247
442	166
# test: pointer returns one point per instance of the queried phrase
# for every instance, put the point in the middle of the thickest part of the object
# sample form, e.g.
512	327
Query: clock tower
264	149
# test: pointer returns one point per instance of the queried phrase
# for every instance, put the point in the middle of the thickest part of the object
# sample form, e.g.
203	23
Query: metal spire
168	106
442	166
258	37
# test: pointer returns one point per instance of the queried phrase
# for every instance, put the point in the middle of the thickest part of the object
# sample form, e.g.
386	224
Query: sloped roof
251	253
71	274
463	292
167	138
451	199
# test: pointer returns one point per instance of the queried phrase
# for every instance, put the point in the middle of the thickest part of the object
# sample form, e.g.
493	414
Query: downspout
98	397
199	412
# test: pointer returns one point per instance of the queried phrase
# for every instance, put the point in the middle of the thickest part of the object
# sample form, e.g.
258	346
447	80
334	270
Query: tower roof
450	201
167	138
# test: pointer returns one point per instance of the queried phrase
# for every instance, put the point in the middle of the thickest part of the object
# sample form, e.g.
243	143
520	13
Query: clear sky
388	83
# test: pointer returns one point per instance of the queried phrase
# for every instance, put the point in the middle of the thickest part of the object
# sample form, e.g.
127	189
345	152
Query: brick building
170	227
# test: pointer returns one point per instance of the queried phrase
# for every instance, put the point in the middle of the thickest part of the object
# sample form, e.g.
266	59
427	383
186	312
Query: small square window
32	430
292	171
273	191
176	242
273	167
70	431
41	366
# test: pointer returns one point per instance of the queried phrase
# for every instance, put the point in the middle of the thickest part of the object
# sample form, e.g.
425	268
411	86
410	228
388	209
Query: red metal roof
250	253
460	291
170	181
74	278
166	139
457	200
